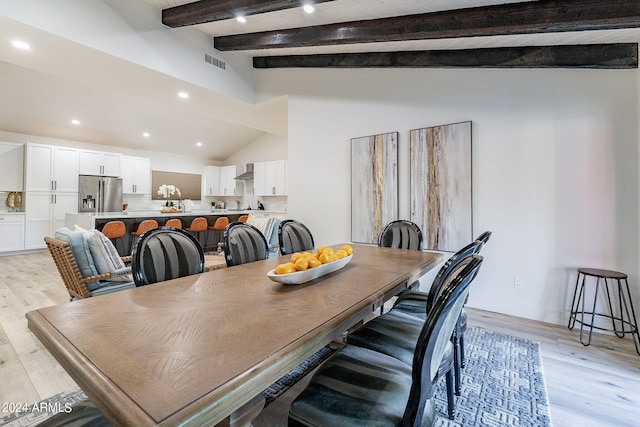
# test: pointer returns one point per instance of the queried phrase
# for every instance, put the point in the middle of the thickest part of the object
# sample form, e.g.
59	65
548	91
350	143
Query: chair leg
450	402
456	362
462	359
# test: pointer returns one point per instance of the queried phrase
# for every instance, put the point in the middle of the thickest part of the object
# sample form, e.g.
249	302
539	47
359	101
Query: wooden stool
243	218
174	222
627	323
198	225
147	224
115	230
220	224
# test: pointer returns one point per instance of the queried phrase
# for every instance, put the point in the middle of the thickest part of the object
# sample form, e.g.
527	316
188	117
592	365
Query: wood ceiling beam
600	56
203	11
543	16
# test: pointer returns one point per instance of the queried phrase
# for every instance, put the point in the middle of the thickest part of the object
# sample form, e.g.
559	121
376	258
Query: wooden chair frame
70	272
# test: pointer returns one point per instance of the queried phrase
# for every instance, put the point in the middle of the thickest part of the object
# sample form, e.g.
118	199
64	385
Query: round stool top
608	274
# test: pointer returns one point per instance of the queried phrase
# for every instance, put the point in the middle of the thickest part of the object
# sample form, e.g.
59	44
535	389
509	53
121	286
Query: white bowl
304	276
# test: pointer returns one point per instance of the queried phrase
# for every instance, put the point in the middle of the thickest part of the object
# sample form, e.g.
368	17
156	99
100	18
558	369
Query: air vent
217	62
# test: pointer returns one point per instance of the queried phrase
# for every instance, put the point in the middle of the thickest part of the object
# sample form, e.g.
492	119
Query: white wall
554	165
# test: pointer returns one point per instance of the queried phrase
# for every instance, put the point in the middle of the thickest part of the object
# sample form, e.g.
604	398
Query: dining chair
395	333
165	253
244	243
402	234
418	304
294	236
484	237
360	386
88	285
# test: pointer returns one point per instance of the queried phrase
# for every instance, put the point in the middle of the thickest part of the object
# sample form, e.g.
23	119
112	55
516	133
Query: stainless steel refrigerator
99	194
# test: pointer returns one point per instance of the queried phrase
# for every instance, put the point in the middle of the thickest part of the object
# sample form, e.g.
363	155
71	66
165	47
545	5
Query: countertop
156	213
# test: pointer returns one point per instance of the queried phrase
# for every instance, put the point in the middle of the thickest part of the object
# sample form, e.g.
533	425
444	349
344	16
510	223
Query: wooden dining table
193	350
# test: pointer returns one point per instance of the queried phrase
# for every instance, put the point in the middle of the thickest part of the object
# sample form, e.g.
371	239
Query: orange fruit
313	262
341	253
348	249
324	258
301	264
287	268
295	256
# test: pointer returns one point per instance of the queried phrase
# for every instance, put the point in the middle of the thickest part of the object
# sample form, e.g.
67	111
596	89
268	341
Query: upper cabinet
12	166
228	180
269	178
211	181
51	168
100	163
219	181
136	175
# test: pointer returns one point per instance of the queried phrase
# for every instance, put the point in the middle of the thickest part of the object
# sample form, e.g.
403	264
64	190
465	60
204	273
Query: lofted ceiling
42	93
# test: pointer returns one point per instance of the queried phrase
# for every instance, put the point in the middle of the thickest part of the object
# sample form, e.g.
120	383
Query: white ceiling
41	93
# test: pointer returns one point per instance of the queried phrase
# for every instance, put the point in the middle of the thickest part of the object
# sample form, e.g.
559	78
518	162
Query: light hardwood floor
587	386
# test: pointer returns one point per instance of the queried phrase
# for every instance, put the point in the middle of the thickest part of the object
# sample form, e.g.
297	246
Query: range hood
248	173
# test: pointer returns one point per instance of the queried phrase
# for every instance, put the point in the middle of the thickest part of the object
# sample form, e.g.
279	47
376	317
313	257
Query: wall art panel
441	185
374	185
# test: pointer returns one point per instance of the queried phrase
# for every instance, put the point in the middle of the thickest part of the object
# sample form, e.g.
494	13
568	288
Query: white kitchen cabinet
136	175
269	178
45	213
228	180
12	232
51	168
12	166
211	181
100	163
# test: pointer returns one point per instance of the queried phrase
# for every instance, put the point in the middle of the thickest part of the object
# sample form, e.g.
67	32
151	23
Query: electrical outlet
518	283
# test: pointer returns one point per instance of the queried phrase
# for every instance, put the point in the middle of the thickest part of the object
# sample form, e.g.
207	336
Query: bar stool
115	230
627	323
174	222
243	218
199	225
145	225
220	224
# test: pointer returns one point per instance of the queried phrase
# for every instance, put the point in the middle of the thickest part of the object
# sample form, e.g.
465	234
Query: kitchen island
131	220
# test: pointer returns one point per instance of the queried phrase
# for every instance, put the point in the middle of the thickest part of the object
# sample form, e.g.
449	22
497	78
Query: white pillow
105	255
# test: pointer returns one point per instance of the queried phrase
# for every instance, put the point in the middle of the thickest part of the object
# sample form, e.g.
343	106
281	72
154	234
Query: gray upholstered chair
244	243
396	332
165	253
419	303
294	236
402	234
361	386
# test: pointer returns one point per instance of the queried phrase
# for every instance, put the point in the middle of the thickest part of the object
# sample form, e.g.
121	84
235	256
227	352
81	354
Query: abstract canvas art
441	185
374	185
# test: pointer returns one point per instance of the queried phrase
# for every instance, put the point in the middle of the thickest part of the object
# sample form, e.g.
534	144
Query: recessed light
146	134
75	122
183	95
199	144
19	44
308	8
241	19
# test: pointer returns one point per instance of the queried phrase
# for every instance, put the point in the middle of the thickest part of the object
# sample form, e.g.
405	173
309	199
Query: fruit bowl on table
309	274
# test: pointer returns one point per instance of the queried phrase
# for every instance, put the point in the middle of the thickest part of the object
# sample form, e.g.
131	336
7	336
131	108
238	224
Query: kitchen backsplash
271	203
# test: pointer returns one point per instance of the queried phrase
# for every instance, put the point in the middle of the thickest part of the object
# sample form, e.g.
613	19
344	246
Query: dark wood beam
203	11
543	16
609	56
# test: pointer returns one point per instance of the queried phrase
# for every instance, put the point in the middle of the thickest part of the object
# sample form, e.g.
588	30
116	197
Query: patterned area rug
502	385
